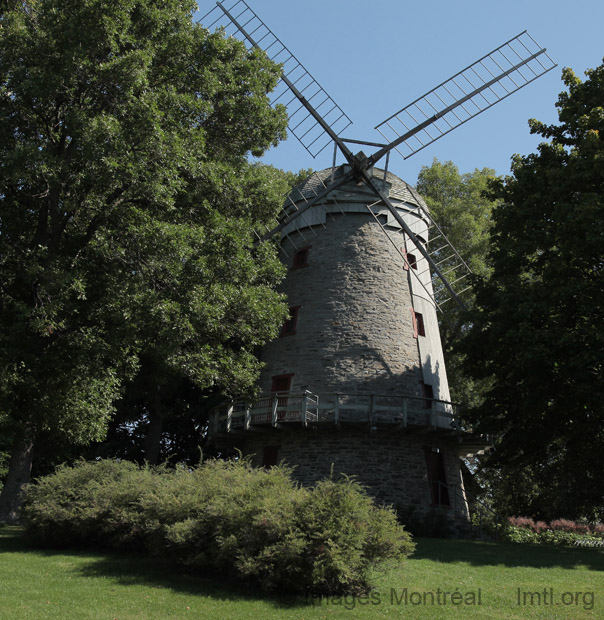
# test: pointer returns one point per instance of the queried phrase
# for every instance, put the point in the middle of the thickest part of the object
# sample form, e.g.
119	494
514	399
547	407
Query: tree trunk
155	427
19	472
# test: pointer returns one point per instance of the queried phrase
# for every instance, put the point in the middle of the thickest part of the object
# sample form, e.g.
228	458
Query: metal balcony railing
304	408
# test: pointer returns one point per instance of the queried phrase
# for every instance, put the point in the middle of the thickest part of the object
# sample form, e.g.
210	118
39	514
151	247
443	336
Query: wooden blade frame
317	120
481	85
489	80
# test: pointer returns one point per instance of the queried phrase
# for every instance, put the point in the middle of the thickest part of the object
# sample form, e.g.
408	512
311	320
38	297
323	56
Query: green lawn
39	584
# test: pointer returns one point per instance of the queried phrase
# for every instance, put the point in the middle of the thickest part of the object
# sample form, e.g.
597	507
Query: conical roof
316	182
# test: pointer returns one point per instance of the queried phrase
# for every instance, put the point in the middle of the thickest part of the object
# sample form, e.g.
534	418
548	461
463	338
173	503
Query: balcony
295	409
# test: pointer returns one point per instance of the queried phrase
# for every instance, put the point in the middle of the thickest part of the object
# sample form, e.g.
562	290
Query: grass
79	585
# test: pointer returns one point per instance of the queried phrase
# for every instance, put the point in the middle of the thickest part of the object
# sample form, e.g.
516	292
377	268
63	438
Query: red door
281	383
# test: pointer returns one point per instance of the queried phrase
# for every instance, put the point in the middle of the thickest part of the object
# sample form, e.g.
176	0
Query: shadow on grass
130	569
141	570
137	570
479	553
13	540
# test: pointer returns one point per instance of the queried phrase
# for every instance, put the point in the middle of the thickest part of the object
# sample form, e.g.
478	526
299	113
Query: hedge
251	524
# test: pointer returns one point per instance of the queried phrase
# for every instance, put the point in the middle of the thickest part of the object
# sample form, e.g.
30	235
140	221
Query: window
437	481
428	394
419	321
301	258
270	456
412	261
281	383
289	327
418	324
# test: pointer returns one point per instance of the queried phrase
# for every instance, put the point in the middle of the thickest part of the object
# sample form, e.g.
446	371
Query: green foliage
538	328
128	208
558	538
560	532
163	411
461	207
346	534
88	504
517	534
253	524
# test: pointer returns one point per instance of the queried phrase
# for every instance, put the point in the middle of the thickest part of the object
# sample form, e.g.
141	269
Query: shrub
252	524
525	522
89	503
237	519
540	526
564	525
598	530
517	534
558	532
558	537
347	535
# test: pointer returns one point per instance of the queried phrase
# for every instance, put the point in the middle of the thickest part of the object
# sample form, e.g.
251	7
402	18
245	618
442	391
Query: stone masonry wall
391	465
355	329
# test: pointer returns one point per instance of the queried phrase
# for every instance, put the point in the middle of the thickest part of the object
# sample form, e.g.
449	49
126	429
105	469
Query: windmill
358	364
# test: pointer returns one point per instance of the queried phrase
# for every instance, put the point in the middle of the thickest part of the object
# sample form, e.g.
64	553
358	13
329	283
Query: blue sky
375	57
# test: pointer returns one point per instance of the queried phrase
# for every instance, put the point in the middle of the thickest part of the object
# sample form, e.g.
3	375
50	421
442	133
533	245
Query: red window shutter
281	383
419	321
301	258
418	324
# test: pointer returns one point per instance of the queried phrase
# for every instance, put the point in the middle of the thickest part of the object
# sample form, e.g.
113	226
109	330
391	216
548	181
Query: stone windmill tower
356	382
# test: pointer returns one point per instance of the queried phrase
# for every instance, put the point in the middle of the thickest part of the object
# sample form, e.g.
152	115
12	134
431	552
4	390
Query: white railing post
275	405
248	417
229	418
304	407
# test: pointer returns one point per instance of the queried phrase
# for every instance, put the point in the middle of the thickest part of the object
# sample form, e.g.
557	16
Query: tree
127	211
461	208
165	407
538	328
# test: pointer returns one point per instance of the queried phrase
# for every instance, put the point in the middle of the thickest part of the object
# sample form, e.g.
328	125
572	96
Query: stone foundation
392	465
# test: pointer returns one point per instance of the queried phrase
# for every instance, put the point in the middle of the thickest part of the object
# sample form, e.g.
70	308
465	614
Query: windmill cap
316	182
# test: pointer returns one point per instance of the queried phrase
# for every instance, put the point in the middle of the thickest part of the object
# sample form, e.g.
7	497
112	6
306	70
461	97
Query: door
437	480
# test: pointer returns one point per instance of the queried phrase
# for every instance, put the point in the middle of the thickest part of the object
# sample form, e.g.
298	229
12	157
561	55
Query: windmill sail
315	119
473	90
